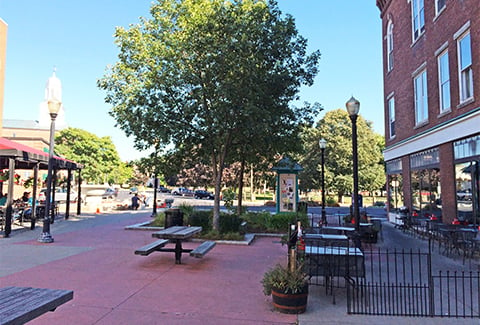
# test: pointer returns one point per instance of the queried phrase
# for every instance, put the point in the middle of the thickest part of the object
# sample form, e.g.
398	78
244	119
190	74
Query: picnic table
176	234
19	305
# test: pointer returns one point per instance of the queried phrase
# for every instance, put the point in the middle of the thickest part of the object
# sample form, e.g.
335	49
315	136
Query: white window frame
389	46
444	81
421	97
418	19
465	71
391	117
440	5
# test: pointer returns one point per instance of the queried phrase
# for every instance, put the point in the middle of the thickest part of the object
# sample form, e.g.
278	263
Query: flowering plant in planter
284	279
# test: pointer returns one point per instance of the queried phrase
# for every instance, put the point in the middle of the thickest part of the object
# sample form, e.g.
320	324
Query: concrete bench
152	247
19	305
203	249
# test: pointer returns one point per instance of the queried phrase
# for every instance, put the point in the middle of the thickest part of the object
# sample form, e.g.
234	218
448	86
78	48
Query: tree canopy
336	129
98	155
211	79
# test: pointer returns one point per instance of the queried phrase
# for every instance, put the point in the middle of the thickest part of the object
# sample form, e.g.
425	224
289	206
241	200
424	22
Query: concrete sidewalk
94	256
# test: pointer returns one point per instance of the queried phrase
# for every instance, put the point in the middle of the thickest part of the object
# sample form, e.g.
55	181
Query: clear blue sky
76	38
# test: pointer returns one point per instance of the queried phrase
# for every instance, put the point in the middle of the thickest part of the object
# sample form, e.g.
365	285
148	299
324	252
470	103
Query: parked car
201	194
182	191
110	193
163	189
60	195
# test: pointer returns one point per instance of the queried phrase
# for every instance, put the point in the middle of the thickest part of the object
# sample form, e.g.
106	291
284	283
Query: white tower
53	89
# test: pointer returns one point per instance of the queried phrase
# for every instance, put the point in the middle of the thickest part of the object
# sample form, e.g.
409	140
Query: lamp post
323	144
353	107
155	185
53	108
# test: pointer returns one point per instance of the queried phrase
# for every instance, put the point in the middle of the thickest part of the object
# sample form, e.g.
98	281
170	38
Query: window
391	117
421	98
439	6
390	46
418	19
465	67
444	81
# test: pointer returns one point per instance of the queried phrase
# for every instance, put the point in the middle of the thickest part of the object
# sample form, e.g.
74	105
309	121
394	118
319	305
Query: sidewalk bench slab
203	249
152	247
19	305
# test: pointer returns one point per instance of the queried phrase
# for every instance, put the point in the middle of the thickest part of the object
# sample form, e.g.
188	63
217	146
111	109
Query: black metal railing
402	283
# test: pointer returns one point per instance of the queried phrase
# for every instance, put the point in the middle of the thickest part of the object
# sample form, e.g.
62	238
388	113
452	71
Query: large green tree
99	157
336	129
207	78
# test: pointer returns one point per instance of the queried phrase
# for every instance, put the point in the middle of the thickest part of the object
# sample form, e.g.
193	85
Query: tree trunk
240	187
218	161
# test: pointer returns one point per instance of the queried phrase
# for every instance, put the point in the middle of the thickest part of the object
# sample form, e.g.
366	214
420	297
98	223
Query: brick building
431	55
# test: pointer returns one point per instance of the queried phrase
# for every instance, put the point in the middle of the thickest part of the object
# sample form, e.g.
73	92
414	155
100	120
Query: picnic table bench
19	305
176	234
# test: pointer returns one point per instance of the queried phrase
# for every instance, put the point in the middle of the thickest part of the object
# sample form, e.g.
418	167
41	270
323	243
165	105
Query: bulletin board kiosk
287	185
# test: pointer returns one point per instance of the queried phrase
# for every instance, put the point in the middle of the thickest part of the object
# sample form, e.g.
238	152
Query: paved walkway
94	256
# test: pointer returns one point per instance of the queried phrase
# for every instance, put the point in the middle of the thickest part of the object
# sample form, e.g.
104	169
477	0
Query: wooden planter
290	303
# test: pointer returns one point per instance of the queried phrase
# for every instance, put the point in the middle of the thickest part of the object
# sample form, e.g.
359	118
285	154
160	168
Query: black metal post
46	237
155	185
67	206
79	196
324	215
356	209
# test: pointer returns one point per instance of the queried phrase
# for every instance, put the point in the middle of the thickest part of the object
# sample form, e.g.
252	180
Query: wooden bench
19	305
155	246
203	249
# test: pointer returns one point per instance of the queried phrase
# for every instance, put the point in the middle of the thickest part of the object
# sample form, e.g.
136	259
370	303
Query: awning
26	157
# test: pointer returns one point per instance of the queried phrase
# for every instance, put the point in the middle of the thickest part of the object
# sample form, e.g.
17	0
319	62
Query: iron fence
402	283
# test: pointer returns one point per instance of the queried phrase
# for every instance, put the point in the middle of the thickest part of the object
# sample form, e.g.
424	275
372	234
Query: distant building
36	133
431	68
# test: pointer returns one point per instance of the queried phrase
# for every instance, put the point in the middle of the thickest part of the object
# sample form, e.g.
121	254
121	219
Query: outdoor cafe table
334	261
178	234
326	240
338	230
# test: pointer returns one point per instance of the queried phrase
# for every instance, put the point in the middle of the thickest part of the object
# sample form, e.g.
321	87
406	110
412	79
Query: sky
76	38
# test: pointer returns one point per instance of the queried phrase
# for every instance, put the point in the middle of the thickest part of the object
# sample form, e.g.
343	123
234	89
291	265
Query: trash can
173	217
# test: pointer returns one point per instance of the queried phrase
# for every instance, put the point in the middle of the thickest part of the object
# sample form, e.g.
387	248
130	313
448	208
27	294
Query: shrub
229	223
187	210
202	218
159	220
266	222
215	235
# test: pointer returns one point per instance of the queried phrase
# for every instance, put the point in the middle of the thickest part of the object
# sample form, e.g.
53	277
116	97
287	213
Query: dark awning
26	157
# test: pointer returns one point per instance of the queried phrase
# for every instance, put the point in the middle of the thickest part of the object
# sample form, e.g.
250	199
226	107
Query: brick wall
409	56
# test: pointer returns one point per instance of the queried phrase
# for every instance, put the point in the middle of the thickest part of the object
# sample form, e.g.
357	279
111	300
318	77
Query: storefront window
467	188
395	192
426	193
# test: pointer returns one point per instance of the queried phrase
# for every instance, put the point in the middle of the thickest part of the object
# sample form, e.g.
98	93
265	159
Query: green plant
159	220
285	280
201	218
228	197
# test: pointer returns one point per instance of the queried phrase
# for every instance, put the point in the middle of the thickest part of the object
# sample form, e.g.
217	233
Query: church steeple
53	88
53	91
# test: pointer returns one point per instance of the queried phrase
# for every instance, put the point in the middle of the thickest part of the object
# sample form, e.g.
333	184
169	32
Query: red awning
28	155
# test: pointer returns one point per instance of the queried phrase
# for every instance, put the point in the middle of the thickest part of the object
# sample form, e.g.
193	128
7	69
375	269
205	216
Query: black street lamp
155	186
323	144
53	108
353	107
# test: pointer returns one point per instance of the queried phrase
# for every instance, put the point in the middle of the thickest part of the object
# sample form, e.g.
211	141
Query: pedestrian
135	202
